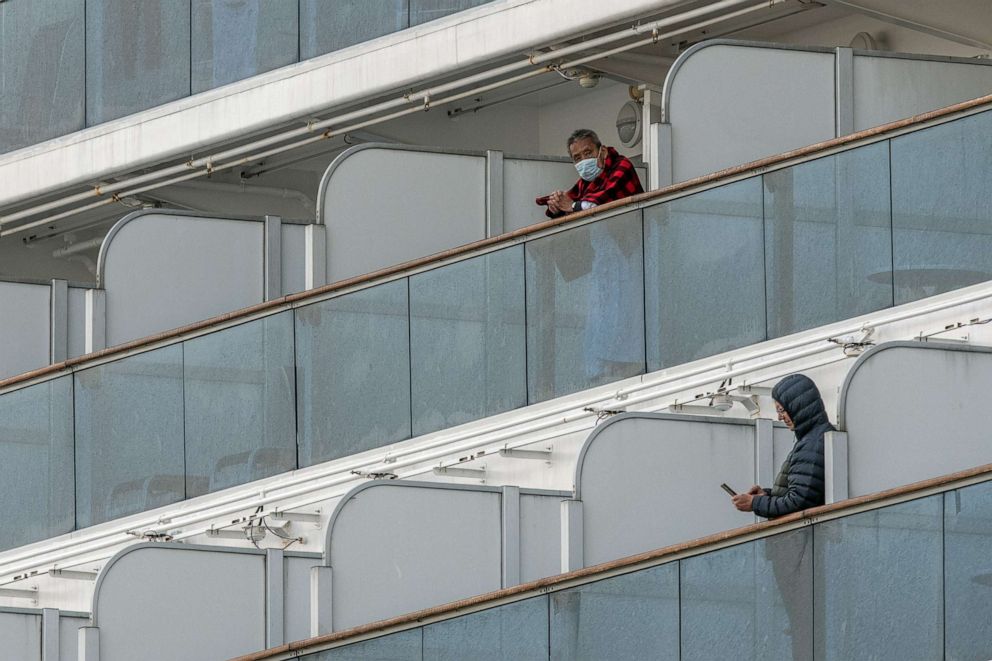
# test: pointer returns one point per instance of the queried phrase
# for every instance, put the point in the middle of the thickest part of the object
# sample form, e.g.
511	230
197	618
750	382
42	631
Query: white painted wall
24	327
594	109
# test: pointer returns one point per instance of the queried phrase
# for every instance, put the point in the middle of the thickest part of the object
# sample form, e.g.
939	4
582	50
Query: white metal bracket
539	455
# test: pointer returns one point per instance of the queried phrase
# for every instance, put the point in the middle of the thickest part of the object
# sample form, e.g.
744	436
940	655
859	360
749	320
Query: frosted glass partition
467	340
41	56
244	373
906	581
353	372
729	102
235	39
129	435
941	207
36	456
676	280
329	25
704	275
828	244
422	11
585	307
137	56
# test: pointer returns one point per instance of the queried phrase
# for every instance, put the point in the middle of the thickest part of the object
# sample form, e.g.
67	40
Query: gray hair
582	134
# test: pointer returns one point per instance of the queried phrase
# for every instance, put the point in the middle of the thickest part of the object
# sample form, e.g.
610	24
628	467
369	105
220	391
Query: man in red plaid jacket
604	176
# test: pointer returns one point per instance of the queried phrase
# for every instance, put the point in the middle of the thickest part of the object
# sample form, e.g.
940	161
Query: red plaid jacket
617	180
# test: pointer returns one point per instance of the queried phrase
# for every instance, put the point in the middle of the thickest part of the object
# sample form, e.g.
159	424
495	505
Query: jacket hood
800	398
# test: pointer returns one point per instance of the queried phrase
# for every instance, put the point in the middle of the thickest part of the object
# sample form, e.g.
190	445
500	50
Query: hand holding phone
728	489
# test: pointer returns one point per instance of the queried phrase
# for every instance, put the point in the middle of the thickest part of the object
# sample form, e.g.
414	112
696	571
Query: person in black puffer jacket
800	482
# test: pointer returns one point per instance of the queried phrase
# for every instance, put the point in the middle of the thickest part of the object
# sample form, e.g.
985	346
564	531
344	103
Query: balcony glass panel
137	56
235	39
634	616
422	11
36	456
42	58
402	646
585	307
353	372
878	588
514	632
467	339
704	279
759	595
968	572
239	393
330	25
129	435
942	207
828	243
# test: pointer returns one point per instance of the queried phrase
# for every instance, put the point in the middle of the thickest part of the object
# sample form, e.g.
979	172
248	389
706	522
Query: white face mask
588	169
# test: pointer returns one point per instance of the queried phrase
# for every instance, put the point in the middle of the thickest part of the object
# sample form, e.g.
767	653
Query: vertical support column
321	621
835	466
59	322
49	634
494	193
315	241
764	456
96	320
844	91
571	536
89	644
656	140
272	265
275	598
511	536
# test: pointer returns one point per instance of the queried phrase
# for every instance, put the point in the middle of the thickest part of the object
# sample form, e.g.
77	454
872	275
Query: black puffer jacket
800	482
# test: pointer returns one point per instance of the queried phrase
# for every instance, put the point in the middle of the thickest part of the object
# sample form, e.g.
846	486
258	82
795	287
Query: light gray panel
239	404
387	206
329	25
41	57
878	584
626	618
180	604
704	276
783	440
235	39
759	595
396	549
129	435
69	636
20	636
585	307
137	56
164	271
642	477
540	536
467	340
916	413
941	207
887	88
828	241
296	610
24	335
422	11
523	181
77	321
36	457
293	261
353	372
734	104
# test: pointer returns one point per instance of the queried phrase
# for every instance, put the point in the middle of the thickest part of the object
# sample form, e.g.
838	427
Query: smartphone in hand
728	489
